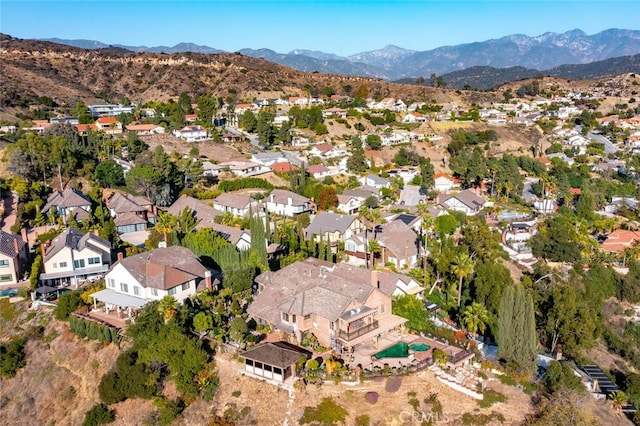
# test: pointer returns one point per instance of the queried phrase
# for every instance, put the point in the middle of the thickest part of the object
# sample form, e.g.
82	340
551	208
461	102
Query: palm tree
462	267
374	248
475	318
618	400
165	223
371	219
168	307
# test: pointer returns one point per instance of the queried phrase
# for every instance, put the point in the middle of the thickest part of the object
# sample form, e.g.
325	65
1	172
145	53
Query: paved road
527	192
253	138
411	195
609	147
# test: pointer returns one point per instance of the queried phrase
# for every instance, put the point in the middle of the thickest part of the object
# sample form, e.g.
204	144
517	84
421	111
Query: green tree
326	413
463	266
12	357
446	224
475	318
560	375
109	174
426	175
168	307
248	121
356	162
99	414
202	323
374	142
165	223
517	340
410	307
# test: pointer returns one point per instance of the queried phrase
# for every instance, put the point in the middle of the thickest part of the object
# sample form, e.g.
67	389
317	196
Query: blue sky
342	27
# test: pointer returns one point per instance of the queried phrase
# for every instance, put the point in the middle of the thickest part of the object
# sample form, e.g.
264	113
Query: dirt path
9	216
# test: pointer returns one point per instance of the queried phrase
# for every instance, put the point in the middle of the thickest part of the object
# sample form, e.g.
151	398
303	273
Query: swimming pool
11	292
401	350
508	215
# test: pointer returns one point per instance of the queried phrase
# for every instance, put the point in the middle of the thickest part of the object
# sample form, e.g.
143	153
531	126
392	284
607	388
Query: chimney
96	232
120	255
558	355
207	279
16	246
374	279
289	201
23	233
42	250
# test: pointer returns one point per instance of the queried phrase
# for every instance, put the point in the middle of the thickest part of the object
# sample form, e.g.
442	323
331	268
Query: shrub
371	397
129	379
326	413
507	380
491	397
68	303
236	393
12	357
99	414
363	420
393	384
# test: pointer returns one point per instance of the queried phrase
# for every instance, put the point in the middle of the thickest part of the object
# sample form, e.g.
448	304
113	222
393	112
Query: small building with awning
119	302
274	361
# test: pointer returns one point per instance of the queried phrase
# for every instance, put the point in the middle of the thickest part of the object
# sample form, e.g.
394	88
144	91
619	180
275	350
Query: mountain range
541	52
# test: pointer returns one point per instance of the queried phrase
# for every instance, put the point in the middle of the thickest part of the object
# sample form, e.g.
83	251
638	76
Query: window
307	317
4	263
382	309
185	286
154	292
78	263
94	261
293	318
63	264
112	283
285	317
124	288
172	291
136	290
55	265
6	278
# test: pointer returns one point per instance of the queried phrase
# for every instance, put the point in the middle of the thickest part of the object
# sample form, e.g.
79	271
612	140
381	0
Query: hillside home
444	182
190	118
130	213
274	361
145	129
390	283
112	110
288	203
134	281
399	245
237	204
466	201
414	117
243	168
13	258
375	181
192	133
620	240
326	150
109	125
319	171
202	212
333	228
67	202
349	204
73	256
307	298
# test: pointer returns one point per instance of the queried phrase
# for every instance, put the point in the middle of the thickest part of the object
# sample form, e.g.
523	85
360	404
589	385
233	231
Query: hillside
29	69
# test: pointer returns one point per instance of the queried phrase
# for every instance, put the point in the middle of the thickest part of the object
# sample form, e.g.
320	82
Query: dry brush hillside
30	68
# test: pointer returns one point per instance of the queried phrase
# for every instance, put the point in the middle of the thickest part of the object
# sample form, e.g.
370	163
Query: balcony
354	334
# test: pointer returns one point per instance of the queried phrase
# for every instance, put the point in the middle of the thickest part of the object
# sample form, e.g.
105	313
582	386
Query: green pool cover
419	347
399	350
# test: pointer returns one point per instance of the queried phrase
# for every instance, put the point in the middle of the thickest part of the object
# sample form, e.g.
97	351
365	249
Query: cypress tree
517	339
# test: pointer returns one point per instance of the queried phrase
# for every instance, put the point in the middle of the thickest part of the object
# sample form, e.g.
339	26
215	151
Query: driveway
609	147
9	217
411	195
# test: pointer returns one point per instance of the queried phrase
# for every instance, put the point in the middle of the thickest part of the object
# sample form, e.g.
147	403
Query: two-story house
399	245
349	204
307	297
237	204
73	256
131	213
375	181
288	203
333	228
67	202
134	281
13	258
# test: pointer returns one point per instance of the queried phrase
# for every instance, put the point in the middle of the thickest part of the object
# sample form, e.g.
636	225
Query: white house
375	181
237	204
244	168
349	204
466	201
414	117
13	258
134	281
73	256
444	182
319	171
192	133
288	203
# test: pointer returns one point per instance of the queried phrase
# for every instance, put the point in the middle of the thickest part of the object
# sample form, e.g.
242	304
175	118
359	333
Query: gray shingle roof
329	222
67	198
278	354
237	201
281	196
124	203
164	268
78	241
203	212
303	288
8	244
